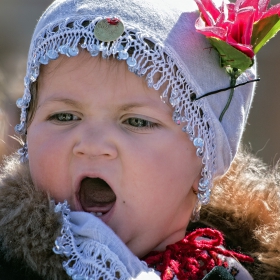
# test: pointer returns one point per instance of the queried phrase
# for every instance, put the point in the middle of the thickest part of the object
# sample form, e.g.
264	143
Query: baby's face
107	144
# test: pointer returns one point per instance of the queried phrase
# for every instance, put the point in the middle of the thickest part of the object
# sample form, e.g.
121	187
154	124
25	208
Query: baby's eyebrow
130	106
67	101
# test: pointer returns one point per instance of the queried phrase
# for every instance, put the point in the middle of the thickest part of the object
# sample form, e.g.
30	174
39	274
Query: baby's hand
95	251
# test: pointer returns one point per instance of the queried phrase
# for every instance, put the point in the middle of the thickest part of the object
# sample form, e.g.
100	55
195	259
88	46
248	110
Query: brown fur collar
245	206
28	224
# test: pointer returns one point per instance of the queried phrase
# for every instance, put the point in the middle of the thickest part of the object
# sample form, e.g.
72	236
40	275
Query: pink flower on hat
237	31
246	25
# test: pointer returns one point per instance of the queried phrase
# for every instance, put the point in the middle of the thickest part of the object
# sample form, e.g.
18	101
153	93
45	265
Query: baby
118	138
104	142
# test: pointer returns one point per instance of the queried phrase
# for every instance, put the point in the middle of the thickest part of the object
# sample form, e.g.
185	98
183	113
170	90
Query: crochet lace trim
145	57
87	258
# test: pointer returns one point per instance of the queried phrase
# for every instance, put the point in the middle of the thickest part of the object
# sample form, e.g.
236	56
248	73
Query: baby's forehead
87	75
83	60
87	66
68	64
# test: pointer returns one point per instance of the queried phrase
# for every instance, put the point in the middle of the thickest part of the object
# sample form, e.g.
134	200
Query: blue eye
64	117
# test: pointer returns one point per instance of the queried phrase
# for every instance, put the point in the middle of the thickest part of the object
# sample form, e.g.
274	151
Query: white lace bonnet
159	37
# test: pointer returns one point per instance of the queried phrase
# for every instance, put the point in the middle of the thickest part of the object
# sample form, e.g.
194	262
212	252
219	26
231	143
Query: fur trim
245	206
28	224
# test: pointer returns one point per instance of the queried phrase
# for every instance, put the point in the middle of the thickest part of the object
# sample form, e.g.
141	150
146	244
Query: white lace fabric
94	252
88	259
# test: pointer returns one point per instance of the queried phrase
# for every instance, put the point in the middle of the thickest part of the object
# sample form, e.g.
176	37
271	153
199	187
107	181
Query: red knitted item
191	258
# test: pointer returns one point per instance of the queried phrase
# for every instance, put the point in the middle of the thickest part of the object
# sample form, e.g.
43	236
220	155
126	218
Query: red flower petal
259	5
275	10
231	12
242	28
222	20
246	49
210	31
262	7
209	11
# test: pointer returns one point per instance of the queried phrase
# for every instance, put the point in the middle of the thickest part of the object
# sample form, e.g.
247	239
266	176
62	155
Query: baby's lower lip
102	212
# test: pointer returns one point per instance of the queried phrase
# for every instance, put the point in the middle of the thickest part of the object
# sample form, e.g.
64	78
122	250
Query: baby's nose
95	140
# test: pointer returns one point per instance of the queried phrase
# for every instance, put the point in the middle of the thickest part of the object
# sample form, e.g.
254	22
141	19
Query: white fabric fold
94	251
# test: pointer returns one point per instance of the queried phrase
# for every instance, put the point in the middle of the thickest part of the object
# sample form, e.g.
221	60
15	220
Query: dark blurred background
17	21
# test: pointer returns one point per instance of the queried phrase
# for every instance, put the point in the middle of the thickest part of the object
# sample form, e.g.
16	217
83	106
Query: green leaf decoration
264	30
230	56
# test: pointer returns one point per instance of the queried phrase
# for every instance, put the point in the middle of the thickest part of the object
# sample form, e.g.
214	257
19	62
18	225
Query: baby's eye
140	123
64	117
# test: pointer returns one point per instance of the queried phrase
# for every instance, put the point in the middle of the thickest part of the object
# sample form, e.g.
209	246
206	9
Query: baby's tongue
96	195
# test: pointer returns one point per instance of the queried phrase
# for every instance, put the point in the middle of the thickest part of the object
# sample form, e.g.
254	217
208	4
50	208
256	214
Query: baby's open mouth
96	196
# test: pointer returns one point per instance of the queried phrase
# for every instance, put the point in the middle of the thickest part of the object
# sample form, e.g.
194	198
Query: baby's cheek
44	162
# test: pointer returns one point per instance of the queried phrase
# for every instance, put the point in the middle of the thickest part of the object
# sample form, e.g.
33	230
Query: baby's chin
143	245
158	245
139	251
